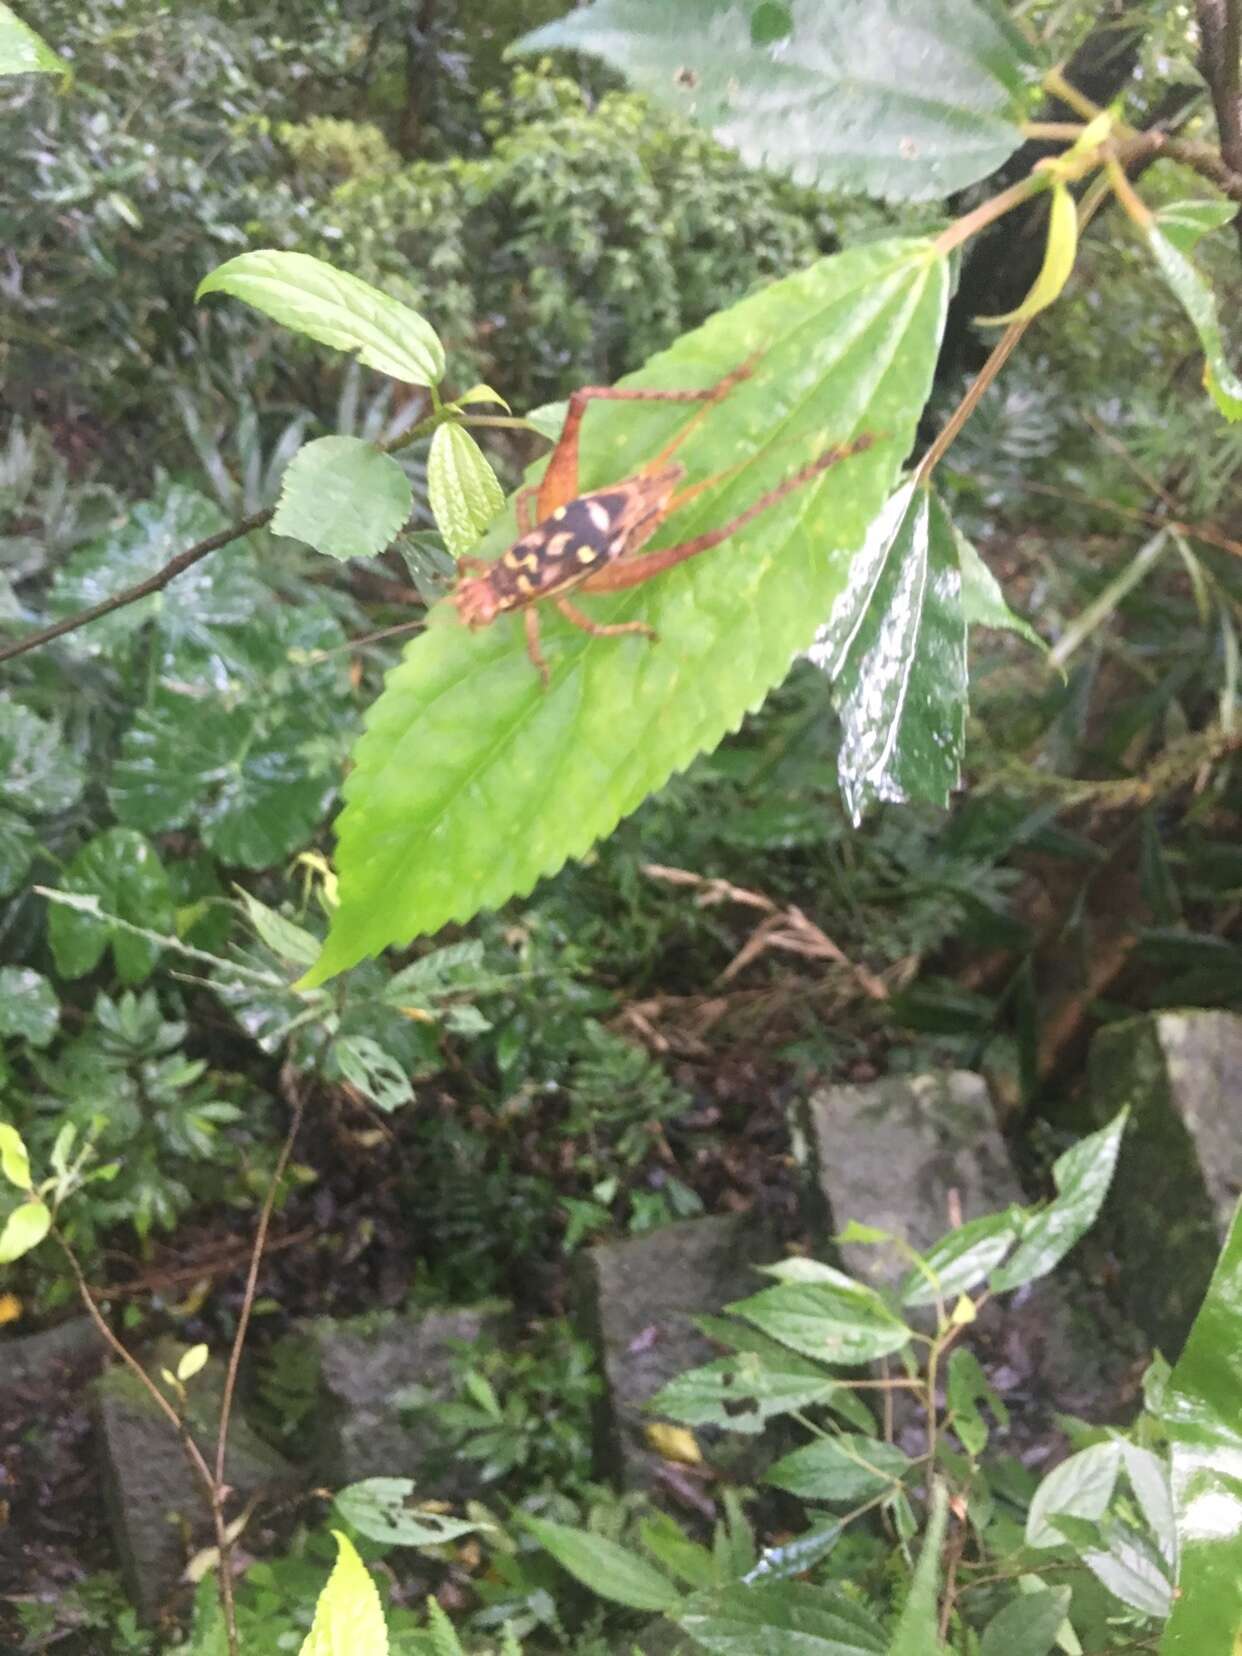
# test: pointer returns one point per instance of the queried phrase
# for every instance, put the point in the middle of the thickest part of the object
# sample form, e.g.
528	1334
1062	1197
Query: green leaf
967	1387
22	51
1199	302
236	772
872	96
895	650
1185	223
335	308
743	1392
1060	251
24	1229
123	870
1133	1574
14	1157
1201	1416
613	1572
1149	1479
549	419
1080	1487
1028	1625
221	591
845	1469
983	603
28	1005
1082	1177
349	1619
380	1509
780	1618
462	488
39	772
192	1361
344	497
283	938
510	780
961	1260
917	1632
375	1073
18	843
481	394
835	1325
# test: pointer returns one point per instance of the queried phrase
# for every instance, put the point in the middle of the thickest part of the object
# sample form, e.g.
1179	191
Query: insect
589	542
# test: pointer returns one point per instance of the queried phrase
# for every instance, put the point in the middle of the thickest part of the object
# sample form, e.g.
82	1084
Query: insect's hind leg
602	629
559	484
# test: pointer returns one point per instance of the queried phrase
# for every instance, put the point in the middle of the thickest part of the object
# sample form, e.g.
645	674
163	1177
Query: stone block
1179	1174
637	1302
156	1503
365	1364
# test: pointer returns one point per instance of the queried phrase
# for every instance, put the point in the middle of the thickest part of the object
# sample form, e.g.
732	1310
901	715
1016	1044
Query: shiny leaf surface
1202	1412
123	870
1082	1177
835	1325
872	96
471	780
895	650
28	1005
743	1392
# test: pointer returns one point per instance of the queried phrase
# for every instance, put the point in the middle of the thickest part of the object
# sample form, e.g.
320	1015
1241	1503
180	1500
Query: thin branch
1220	52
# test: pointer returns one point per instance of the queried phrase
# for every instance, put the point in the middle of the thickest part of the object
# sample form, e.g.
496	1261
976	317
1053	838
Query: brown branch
1220	64
142	589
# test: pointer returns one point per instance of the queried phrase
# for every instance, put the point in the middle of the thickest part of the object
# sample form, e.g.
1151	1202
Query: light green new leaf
780	1618
335	308
1199	302
343	497
379	1509
917	1632
895	650
28	1005
613	1572
14	1157
349	1619
1185	223
471	780
1202	1416
1082	1177
24	1229
463	490
22	51
123	870
1060	251
874	96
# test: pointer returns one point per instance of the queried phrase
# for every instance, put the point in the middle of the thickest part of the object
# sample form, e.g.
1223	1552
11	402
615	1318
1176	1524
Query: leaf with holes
471	780
330	305
895	650
904	102
343	497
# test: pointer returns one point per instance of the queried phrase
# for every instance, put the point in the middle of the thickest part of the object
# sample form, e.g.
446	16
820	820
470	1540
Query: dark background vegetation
602	1062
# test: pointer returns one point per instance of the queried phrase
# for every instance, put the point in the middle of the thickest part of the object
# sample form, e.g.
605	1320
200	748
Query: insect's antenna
316	656
683	497
743	371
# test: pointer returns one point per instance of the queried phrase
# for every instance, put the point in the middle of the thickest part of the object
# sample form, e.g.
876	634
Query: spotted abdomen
563	550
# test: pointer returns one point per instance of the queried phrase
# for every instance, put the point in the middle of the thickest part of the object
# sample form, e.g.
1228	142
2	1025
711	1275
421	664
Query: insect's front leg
601	629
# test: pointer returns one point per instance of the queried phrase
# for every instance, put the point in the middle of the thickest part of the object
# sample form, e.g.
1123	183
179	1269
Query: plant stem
988	211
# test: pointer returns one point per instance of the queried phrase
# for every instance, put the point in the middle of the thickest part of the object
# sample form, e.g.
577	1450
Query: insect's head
478	603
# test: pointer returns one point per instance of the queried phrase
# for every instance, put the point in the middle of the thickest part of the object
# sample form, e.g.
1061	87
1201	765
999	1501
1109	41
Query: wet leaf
343	497
895	650
40	774
242	777
335	308
1201	1415
123	870
471	780
780	1618
1082	1177
28	1005
961	1260
869	96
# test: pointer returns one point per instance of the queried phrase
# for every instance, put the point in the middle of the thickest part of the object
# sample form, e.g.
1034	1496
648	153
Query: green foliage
22	51
488	731
860	96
